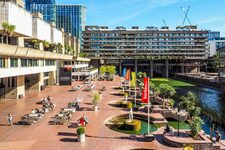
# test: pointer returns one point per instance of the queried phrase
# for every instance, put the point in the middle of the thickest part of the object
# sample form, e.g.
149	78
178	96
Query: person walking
10	121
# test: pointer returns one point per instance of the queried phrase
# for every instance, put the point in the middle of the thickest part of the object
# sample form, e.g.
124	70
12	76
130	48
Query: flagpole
148	109
135	89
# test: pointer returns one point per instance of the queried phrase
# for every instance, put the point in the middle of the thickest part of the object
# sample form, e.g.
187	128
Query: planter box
81	138
149	137
95	108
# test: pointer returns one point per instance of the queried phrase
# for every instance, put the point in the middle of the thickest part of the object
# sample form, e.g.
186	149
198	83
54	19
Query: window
13	62
2	62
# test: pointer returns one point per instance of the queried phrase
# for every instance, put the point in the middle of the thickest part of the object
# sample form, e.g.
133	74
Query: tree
141	75
59	47
46	44
69	49
188	103
8	30
83	54
95	98
36	43
166	91
111	69
196	126
102	70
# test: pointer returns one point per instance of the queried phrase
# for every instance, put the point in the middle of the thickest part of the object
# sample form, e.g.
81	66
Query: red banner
145	91
128	75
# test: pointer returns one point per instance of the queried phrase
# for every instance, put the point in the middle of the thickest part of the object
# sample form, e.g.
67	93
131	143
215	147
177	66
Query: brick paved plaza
42	136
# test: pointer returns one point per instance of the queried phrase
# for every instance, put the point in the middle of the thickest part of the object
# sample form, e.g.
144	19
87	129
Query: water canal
211	101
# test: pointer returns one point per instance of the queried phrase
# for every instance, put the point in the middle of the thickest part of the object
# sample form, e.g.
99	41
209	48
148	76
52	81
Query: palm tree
36	43
8	30
59	47
188	103
46	44
196	126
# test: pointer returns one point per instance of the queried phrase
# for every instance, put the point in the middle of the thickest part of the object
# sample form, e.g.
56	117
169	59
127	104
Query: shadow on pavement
68	140
66	134
130	137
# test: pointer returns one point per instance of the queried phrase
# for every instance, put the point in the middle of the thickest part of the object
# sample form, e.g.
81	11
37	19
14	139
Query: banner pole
135	90
148	109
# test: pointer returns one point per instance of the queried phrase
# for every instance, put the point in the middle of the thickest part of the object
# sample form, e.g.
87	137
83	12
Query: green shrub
80	131
134	125
129	105
121	104
171	102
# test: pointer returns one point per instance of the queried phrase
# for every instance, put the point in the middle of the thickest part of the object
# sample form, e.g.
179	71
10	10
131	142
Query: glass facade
213	35
46	7
72	18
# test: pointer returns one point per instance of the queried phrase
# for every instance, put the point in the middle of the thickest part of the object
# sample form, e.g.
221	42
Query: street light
178	123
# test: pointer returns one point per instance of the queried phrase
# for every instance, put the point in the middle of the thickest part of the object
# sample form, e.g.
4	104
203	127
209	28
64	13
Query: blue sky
207	14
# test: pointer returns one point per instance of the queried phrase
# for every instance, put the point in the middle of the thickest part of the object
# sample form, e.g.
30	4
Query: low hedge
134	125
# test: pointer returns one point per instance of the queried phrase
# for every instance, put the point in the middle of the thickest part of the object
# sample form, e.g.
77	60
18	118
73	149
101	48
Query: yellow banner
133	82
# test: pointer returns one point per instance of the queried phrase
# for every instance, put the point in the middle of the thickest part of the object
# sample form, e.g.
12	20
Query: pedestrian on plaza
9	117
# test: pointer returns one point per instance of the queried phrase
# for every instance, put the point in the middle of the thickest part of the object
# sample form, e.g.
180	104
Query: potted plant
81	134
95	100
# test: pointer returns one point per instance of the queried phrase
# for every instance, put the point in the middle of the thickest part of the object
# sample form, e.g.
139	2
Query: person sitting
81	122
49	98
218	136
33	111
167	129
85	119
103	88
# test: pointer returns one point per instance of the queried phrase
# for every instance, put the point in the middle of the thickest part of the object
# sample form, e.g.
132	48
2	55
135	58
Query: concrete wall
56	36
15	15
41	30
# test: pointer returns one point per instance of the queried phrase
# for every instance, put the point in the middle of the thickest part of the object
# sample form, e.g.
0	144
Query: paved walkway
42	136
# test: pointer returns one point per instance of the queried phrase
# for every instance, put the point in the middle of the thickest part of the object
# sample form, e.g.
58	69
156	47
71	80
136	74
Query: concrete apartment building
35	51
222	64
152	50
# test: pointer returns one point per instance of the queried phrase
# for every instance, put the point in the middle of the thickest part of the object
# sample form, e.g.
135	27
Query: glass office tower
72	18
46	7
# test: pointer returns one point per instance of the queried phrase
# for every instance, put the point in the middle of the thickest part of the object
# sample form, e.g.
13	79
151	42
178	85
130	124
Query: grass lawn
171	82
182	125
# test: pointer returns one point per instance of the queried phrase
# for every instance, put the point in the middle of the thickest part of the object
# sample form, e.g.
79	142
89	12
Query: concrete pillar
78	77
167	69
121	68
41	46
135	66
20	83
52	77
20	41
151	68
99	66
182	69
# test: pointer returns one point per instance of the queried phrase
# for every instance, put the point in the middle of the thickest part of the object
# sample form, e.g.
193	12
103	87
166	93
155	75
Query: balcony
17	51
9	72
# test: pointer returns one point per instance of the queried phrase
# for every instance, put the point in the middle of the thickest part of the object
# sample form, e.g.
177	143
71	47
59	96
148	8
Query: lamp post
178	123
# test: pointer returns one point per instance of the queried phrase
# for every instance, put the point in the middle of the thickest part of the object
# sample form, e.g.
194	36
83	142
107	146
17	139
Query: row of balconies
130	37
149	57
143	41
147	50
32	32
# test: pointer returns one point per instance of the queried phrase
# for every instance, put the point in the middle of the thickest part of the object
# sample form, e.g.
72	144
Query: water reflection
212	103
